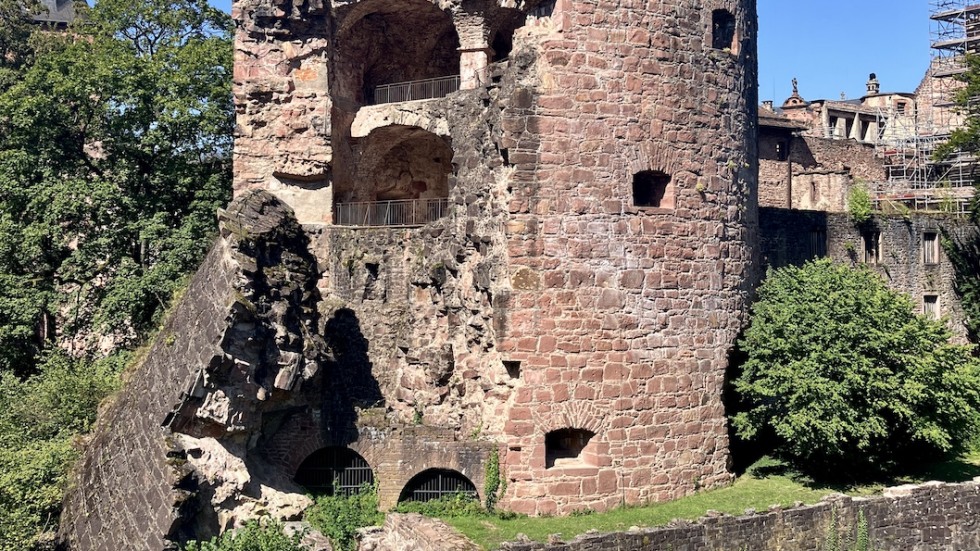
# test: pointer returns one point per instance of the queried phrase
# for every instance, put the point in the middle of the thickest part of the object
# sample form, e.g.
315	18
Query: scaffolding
914	178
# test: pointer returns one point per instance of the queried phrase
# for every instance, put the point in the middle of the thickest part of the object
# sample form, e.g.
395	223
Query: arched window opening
384	57
334	469
652	188
402	179
436	484
565	445
723	30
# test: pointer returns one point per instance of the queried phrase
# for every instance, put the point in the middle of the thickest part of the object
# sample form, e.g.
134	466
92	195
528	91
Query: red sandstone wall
622	317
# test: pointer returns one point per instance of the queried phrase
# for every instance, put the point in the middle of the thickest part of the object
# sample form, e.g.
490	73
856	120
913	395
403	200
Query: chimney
767	104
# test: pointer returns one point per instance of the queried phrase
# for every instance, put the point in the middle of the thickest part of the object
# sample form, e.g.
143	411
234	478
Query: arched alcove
402	178
437	483
384	42
334	469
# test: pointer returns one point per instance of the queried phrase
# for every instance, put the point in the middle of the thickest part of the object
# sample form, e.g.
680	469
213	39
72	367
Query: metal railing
429	88
411	212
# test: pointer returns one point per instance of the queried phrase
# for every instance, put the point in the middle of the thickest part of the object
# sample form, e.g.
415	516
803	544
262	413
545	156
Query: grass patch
765	484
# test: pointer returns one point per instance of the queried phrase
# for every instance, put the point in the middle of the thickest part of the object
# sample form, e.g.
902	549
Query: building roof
770	119
59	12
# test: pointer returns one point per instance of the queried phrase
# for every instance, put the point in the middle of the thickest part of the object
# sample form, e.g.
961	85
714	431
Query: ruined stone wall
931	517
789	237
820	172
282	139
179	455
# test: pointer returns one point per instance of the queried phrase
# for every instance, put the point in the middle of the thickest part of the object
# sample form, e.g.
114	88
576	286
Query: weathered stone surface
612	318
175	456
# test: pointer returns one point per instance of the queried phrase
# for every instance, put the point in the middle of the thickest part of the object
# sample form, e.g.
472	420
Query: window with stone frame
930	307
872	247
652	188
565	445
930	248
723	30
544	9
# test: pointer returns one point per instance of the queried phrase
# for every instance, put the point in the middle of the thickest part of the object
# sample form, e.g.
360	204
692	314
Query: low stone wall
930	517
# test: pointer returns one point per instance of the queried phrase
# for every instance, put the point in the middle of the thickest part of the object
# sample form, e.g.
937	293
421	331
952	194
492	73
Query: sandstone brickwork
817	172
569	301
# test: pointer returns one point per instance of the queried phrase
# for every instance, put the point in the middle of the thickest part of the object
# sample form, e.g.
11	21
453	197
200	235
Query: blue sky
831	46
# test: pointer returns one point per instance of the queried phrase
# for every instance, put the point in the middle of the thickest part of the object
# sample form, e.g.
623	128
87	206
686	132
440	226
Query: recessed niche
513	368
652	188
565	446
723	30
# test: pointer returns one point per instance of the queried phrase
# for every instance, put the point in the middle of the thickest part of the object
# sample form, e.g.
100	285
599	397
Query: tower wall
623	316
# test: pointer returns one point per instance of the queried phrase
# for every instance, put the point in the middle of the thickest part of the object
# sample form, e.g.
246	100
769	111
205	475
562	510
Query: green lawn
765	484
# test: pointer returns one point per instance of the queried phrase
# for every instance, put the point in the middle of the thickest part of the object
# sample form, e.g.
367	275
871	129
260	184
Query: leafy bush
847	380
859	204
458	504
252	537
339	516
38	421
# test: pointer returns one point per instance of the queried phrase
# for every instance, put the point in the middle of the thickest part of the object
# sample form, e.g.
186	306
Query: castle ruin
463	228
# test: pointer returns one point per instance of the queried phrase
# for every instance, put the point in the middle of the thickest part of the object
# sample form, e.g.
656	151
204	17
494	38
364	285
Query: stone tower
539	215
463	230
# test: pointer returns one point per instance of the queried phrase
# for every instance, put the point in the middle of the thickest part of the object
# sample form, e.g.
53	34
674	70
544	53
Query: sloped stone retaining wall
930	517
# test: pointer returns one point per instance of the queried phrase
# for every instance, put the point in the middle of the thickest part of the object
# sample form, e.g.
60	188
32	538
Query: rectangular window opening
930	307
513	368
872	247
930	248
652	188
818	244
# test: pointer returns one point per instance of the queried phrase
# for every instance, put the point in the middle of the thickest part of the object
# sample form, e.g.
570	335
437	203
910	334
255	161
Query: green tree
39	420
847	380
967	136
16	44
964	249
114	155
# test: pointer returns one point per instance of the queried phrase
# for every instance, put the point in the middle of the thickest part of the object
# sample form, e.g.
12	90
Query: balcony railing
412	212
417	89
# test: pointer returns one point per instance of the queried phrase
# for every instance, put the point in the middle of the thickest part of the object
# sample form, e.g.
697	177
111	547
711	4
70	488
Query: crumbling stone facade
811	173
556	295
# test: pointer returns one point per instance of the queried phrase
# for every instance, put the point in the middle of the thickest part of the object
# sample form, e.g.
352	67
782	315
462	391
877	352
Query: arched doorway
435	484
334	469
